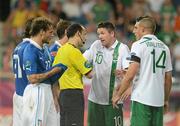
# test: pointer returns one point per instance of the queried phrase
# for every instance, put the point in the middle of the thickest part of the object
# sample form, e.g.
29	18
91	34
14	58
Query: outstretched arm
125	83
58	69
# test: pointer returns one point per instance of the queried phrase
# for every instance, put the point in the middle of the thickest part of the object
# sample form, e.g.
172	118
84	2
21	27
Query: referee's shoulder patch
87	64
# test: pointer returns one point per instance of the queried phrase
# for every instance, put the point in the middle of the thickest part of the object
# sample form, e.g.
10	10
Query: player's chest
44	61
103	56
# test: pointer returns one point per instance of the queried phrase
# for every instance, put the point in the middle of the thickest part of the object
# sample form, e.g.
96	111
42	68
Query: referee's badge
87	64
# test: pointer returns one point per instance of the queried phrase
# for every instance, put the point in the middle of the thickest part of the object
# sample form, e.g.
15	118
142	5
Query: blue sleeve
55	77
30	56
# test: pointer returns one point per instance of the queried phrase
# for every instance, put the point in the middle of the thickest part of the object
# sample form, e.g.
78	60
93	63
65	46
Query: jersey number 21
17	67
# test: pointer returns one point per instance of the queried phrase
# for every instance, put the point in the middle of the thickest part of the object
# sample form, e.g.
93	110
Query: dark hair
39	24
73	29
107	25
148	22
62	25
27	28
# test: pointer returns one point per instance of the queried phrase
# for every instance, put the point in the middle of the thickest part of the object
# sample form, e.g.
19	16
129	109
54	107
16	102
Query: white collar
150	36
58	43
35	44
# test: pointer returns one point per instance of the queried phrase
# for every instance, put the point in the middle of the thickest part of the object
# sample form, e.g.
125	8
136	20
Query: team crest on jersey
28	65
87	64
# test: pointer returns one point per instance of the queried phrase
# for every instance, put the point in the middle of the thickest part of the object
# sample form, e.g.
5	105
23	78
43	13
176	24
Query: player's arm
120	75
125	83
167	89
89	74
56	91
53	73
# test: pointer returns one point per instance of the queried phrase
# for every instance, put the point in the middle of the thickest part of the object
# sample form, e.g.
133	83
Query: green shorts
144	115
104	115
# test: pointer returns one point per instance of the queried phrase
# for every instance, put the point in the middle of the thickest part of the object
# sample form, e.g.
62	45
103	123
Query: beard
45	41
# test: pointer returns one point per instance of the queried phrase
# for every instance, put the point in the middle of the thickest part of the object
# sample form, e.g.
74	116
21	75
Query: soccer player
107	55
151	70
71	94
61	27
38	105
21	80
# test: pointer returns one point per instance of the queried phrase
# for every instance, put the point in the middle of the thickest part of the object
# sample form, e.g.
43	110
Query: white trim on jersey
57	43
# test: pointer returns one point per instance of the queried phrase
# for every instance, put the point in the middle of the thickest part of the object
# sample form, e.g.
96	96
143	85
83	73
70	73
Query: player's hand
119	73
166	107
56	103
115	100
126	94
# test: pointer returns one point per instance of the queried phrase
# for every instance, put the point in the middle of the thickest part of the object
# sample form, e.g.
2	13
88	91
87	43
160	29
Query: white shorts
17	109
39	108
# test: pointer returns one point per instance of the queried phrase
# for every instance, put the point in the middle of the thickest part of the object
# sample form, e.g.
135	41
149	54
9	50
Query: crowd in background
122	13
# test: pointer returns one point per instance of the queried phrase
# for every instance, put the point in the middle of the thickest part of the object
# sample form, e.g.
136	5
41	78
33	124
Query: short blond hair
148	23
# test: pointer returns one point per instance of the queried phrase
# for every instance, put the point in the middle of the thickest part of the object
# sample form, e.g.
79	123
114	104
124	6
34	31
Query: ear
42	32
112	33
143	29
65	32
78	34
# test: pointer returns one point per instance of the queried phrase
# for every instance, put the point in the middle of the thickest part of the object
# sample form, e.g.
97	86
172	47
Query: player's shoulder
124	46
163	44
31	48
136	43
21	45
53	47
96	44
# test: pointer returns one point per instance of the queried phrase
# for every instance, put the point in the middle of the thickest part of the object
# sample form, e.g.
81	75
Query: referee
71	85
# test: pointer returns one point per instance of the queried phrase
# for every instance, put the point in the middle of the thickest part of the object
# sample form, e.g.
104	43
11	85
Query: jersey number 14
160	62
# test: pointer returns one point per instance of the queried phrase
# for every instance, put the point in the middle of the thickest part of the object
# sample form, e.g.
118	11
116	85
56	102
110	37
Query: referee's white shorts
38	106
17	109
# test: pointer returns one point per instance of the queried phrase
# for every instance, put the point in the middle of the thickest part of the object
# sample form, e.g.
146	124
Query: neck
37	40
147	33
73	42
111	43
63	40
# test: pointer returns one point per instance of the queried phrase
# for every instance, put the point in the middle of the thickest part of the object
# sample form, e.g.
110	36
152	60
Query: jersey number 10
160	61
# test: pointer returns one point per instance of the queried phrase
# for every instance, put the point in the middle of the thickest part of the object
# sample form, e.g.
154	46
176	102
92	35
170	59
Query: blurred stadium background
13	14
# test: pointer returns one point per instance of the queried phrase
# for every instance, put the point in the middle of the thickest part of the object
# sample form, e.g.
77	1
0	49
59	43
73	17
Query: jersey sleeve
125	57
135	53
80	63
168	63
56	59
88	54
30	60
53	51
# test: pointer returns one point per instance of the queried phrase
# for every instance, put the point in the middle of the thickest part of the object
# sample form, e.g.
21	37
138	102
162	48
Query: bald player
151	70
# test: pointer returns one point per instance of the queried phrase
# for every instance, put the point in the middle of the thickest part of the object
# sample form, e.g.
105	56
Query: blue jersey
47	52
53	49
35	60
21	80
